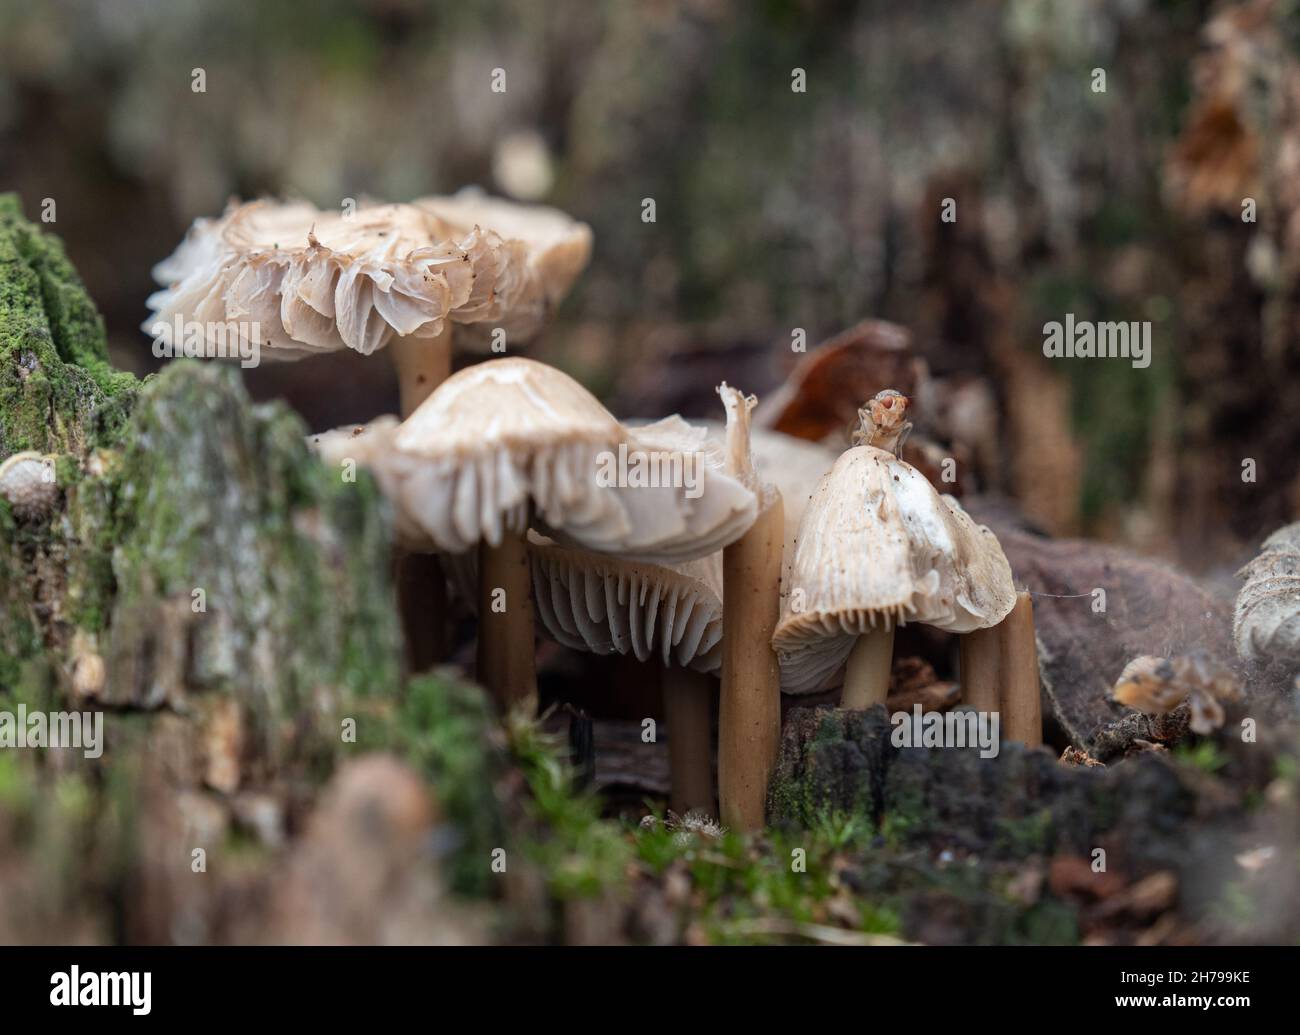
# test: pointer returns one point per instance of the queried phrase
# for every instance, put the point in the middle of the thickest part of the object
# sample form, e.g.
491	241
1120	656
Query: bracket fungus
294	280
511	444
877	547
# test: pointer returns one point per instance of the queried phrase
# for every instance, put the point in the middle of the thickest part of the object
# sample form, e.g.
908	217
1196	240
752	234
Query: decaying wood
1149	608
1266	625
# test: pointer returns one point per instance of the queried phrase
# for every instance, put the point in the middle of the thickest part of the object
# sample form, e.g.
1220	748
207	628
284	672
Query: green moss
221	516
581	854
1024	836
55	378
445	727
1205	756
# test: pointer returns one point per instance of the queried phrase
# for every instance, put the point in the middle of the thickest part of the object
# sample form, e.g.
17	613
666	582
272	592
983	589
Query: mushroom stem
506	663
688	699
866	679
749	713
422	365
422	603
1022	714
980	675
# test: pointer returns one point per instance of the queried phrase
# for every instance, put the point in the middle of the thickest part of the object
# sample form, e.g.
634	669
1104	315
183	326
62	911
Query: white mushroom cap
557	250
316	280
606	605
28	484
506	435
877	545
603	604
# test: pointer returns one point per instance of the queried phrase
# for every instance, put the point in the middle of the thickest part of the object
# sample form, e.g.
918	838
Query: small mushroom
877	547
29	485
670	614
307	281
512	443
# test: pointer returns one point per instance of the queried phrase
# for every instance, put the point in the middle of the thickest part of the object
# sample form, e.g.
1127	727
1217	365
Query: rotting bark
1151	814
1149	608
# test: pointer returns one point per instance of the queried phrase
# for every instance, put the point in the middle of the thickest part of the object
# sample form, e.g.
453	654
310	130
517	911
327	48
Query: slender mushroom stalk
506	663
749	715
866	679
688	704
980	669
1022	716
422	365
666	615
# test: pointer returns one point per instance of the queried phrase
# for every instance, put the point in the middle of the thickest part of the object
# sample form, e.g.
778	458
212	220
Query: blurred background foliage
775	209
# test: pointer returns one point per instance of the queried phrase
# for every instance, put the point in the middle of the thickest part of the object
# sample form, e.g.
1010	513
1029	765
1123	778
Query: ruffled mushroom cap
557	249
318	281
878	545
510	434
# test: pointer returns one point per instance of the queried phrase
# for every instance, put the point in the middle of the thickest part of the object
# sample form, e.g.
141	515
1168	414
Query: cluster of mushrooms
785	566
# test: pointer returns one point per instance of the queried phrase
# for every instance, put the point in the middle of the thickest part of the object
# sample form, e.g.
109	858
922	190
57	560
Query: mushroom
28	484
670	614
749	712
877	547
295	280
511	443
